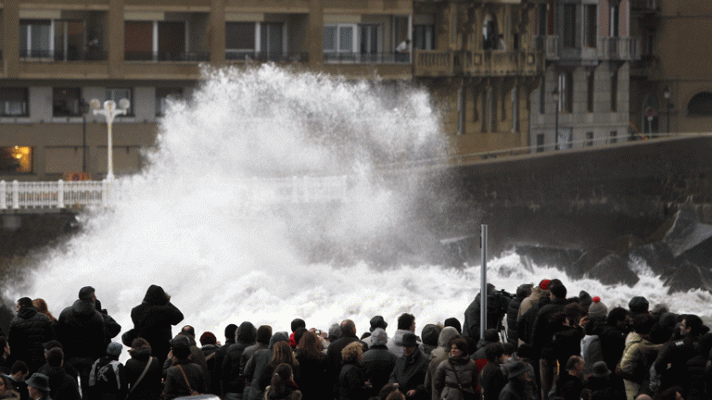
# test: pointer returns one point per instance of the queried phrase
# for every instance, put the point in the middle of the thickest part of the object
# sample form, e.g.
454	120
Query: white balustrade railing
79	194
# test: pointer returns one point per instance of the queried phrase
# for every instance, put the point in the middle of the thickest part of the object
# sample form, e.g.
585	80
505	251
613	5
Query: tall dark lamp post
667	93
555	96
84	109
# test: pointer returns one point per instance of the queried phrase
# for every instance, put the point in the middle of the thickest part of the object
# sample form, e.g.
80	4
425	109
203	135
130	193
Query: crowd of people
539	344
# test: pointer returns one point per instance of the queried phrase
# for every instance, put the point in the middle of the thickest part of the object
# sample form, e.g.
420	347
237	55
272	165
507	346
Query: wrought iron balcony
549	45
619	48
61	55
161	56
644	6
263	56
367	58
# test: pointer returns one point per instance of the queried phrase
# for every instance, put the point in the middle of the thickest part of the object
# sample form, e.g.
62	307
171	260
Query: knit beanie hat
597	309
544	284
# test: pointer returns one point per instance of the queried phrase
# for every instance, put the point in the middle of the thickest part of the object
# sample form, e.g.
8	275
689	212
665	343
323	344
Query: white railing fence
79	194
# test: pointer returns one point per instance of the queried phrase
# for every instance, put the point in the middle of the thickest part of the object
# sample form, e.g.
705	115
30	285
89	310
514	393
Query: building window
613	137
423	37
614	91
615	19
491	39
16	159
165	95
700	105
370	42
35	38
540	143
515	109
566	92
590	29
339	42
542	97
240	40
65	102
119	94
591	91
155	41
570	25
589	139
271	41
14	102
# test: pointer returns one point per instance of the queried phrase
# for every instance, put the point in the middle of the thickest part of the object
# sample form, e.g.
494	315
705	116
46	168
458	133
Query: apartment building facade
583	99
672	81
59	55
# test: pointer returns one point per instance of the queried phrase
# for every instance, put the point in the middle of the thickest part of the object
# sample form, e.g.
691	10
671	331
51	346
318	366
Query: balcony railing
367	58
501	63
61	55
619	48
549	45
263	56
159	56
433	63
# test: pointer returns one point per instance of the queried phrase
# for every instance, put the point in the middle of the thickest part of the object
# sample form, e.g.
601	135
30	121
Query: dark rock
613	269
682	232
688	276
658	256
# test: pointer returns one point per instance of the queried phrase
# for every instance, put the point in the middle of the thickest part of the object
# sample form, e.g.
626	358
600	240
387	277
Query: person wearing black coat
183	378
232	379
333	352
153	319
29	330
378	362
150	387
410	369
497	306
352	383
216	377
82	332
523	291
62	385
312	367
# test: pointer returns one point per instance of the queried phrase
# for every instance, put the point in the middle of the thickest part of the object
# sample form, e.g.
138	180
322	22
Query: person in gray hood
378	362
406	324
439	355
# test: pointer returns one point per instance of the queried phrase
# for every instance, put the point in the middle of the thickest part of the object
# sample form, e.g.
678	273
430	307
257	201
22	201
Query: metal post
84	143
483	281
110	112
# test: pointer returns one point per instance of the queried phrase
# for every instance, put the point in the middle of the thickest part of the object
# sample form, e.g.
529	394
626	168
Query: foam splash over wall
183	226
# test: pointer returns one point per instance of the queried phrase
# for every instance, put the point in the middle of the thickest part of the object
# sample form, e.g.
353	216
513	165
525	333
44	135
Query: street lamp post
110	112
555	96
667	93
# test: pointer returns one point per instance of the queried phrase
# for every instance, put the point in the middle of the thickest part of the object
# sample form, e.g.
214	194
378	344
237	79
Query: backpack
105	378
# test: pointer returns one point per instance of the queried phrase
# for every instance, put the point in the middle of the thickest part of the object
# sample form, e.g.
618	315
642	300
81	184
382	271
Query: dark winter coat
259	369
150	386
491	381
409	373
153	319
497	306
568	386
352	383
542	333
81	330
232	378
685	367
29	330
62	386
109	385
455	376
311	377
612	345
216	375
176	385
525	323
378	363
516	390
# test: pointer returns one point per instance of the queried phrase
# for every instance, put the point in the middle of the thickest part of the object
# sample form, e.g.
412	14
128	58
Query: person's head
87	293
387	390
24	302
494	352
518	371
139	345
208	338
334	332
406	322
55	357
619	318
298	323
574	312
298	335
40	305
453	322
38	385
379	337
378	322
458	347
597	309
230	331
19	370
524	290
188	331
691	325
643	397
180	347
282	374
348	327
575	366
264	333
395	395
282	353
6	384
673	393
491	336
557	291
310	345
638	305
113	350
410	344
352	353
643	323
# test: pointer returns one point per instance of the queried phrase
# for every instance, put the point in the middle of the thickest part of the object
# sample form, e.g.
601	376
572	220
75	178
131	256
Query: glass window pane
240	35
329	38
346	35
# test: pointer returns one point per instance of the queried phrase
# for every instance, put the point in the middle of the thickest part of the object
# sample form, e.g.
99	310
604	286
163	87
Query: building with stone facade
584	94
673	78
476	57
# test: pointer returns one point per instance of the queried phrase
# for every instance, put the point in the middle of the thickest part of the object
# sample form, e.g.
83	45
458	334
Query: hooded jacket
29	330
259	369
153	319
232	378
409	373
80	329
439	355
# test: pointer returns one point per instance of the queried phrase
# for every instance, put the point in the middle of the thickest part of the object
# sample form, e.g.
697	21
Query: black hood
84	308
246	333
155	295
27	312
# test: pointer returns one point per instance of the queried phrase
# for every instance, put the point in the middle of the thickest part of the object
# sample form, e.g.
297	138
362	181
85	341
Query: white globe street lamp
110	112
